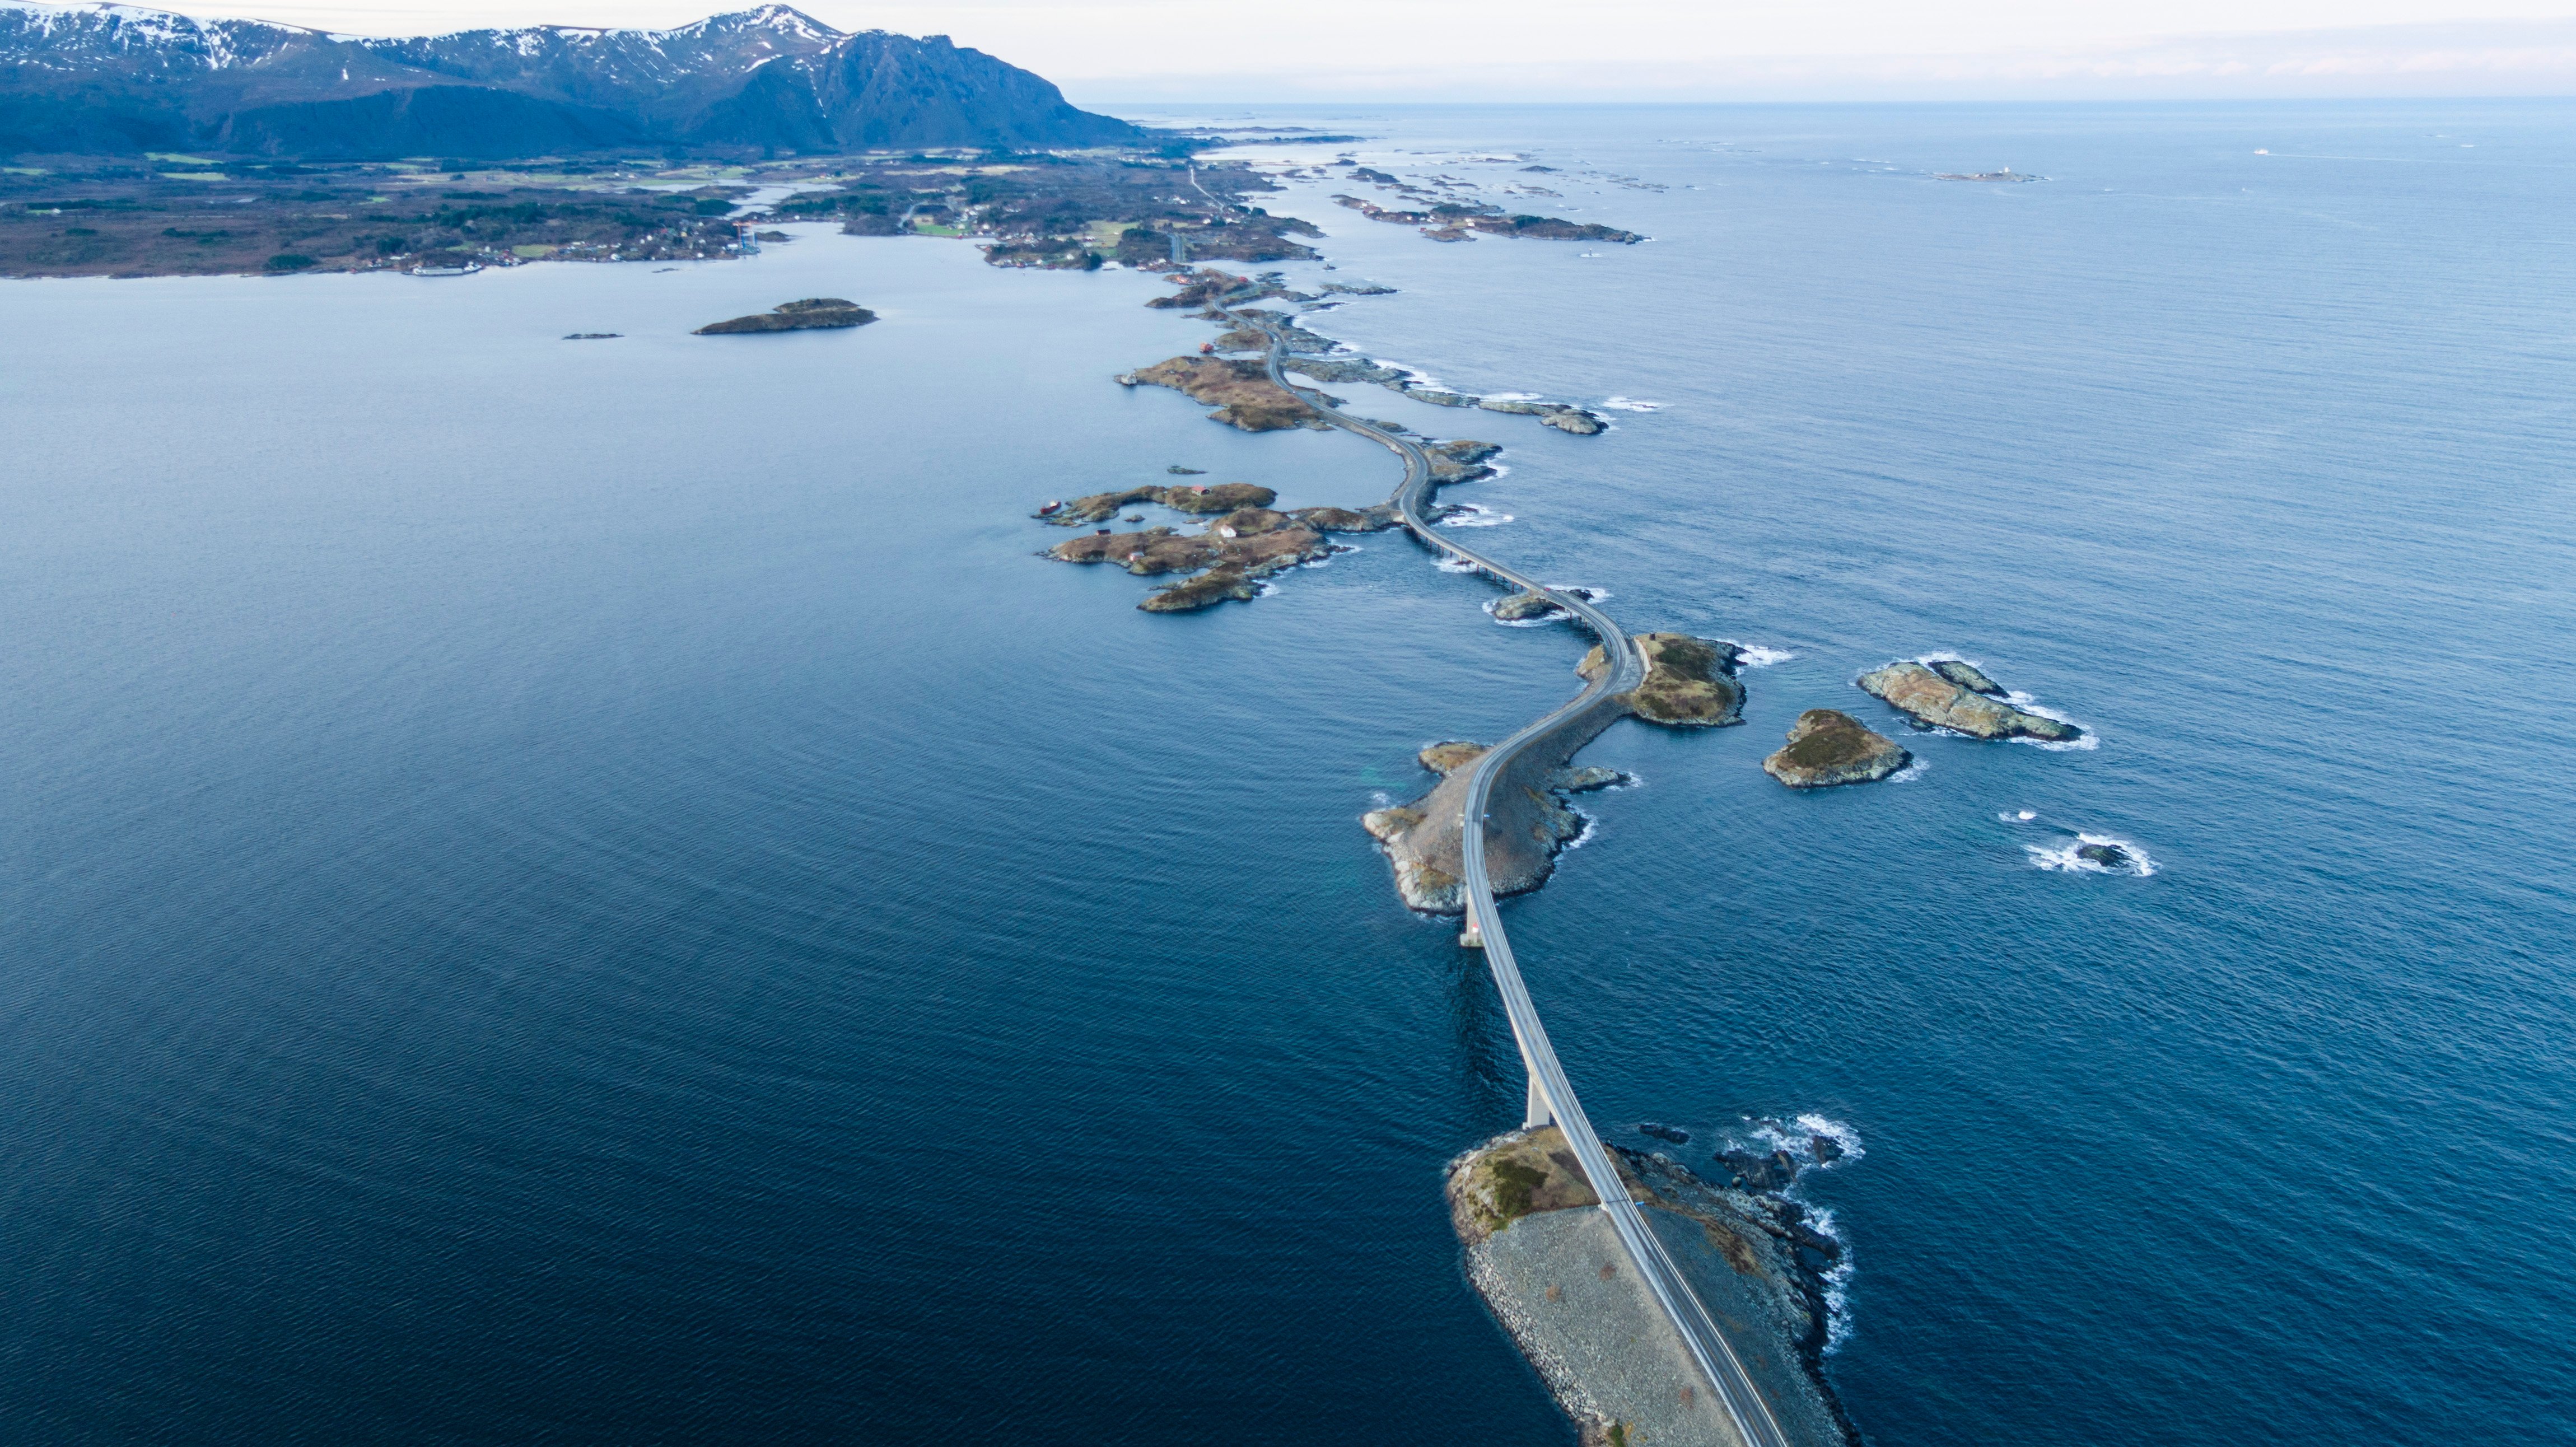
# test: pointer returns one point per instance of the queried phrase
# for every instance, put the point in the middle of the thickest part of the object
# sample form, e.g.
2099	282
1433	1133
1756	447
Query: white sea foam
1448	564
1585	836
1631	404
2063	858
1514	396
1837	1282
1587	594
1910	772
1798	1138
1754	655
1475	517
2018	816
1264	590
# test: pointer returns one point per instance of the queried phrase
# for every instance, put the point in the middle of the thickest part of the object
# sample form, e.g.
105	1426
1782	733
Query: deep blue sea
598	892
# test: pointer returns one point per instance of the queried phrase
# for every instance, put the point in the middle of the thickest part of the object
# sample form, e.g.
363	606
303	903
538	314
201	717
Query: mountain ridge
122	79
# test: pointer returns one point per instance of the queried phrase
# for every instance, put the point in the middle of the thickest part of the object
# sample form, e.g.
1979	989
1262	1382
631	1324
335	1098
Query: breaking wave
2063	857
1798	1137
1754	655
1631	404
1473	515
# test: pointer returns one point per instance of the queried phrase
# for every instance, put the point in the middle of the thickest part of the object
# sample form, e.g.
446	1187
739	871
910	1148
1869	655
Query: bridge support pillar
1538	1114
1473	936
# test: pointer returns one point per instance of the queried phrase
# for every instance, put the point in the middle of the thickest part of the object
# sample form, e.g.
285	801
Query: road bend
1550	1091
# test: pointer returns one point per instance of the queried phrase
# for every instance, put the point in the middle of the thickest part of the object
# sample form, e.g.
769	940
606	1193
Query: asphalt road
1708	1346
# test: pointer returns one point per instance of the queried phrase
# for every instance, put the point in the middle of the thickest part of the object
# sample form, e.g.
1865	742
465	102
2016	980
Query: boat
468	269
1054	506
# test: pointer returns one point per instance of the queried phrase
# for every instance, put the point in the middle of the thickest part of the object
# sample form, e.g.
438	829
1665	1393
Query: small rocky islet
1828	747
1952	694
814	313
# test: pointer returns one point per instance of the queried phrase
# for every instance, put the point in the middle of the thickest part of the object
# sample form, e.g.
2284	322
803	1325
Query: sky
1104	51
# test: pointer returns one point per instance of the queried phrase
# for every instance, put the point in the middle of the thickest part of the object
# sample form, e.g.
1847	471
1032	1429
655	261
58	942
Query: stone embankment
1556	1277
1688	684
1529	820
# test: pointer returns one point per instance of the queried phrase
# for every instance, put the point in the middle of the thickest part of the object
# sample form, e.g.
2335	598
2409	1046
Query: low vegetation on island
1827	747
1690	682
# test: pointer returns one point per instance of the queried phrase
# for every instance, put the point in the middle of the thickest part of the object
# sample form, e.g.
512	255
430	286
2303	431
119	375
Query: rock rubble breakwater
1554	1276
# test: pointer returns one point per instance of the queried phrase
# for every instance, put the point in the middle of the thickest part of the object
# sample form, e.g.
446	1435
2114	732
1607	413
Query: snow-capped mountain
116	78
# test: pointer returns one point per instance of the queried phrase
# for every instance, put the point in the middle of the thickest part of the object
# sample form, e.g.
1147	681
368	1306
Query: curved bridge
1551	1095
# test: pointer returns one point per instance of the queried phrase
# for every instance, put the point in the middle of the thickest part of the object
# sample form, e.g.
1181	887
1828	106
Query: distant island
811	314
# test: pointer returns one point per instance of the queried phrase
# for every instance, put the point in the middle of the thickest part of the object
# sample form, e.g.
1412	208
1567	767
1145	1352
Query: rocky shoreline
1558	1282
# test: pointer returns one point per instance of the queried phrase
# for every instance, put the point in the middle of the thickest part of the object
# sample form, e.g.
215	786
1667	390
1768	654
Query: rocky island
1939	699
813	313
1690	682
1240	391
1827	747
1241	545
1557	1278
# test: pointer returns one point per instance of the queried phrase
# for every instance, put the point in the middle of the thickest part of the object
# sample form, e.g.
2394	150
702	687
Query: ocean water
598	891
